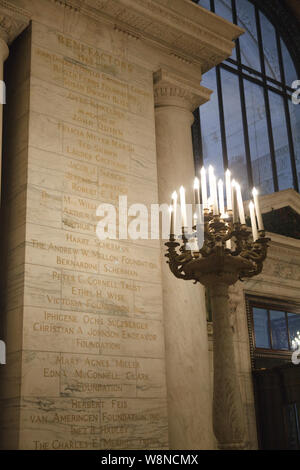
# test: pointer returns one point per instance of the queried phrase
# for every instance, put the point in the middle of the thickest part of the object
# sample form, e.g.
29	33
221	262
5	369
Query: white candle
174	198
221	198
172	229
234	202
204	188
228	190
257	209
253	221
197	199
213	189
195	219
240	204
197	191
228	244
183	207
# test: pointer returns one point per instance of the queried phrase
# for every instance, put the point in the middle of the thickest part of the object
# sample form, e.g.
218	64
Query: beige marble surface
81	130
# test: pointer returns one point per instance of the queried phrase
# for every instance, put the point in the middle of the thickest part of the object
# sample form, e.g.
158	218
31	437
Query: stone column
228	420
4	52
13	20
187	360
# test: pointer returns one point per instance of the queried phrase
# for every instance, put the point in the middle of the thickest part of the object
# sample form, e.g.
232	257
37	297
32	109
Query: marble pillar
188	383
13	20
228	419
4	51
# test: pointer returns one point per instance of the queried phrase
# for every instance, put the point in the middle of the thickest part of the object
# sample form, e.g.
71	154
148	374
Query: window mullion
243	104
288	331
288	118
267	102
270	329
222	118
197	138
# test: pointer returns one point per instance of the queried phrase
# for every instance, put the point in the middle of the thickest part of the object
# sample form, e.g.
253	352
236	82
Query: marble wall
89	353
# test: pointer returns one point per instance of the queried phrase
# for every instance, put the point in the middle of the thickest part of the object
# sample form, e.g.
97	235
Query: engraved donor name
2	352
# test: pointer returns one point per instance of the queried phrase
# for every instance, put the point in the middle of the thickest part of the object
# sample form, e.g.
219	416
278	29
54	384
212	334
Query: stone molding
181	28
170	89
287	197
13	20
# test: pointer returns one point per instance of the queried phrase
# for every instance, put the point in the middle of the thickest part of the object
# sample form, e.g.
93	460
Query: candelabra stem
228	419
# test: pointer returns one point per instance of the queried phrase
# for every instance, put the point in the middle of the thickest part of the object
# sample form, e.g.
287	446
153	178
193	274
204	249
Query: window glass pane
258	136
294	329
295	120
223	8
289	67
204	4
270	48
234	129
248	41
282	151
274	85
279	330
261	328
210	126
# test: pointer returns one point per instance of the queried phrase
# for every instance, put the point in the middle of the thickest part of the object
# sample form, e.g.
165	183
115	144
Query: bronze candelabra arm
242	257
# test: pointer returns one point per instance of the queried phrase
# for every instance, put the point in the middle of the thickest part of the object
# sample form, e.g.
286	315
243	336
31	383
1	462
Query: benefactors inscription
93	369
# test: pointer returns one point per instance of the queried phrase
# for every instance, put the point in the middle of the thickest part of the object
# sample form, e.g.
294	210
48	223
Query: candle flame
174	195
251	205
170	209
196	183
255	192
228	172
203	171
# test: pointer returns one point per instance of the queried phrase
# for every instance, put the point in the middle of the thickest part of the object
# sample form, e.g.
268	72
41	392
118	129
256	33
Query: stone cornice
179	27
13	20
170	89
287	197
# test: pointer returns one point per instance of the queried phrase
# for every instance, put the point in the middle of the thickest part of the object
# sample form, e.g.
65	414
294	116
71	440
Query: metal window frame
267	84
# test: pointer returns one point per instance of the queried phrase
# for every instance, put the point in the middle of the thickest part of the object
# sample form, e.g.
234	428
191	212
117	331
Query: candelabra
230	252
215	259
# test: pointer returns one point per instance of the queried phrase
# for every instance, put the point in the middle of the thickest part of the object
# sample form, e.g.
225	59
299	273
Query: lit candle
204	188
221	198
172	229
228	244
197	191
234	202
213	189
253	221
228	190
257	209
197	199
195	220
174	198
183	207
240	204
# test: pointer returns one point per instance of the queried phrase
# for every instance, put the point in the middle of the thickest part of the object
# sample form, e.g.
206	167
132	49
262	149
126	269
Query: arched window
251	125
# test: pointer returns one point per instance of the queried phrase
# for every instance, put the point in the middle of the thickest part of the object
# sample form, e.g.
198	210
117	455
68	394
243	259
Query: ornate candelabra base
217	267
